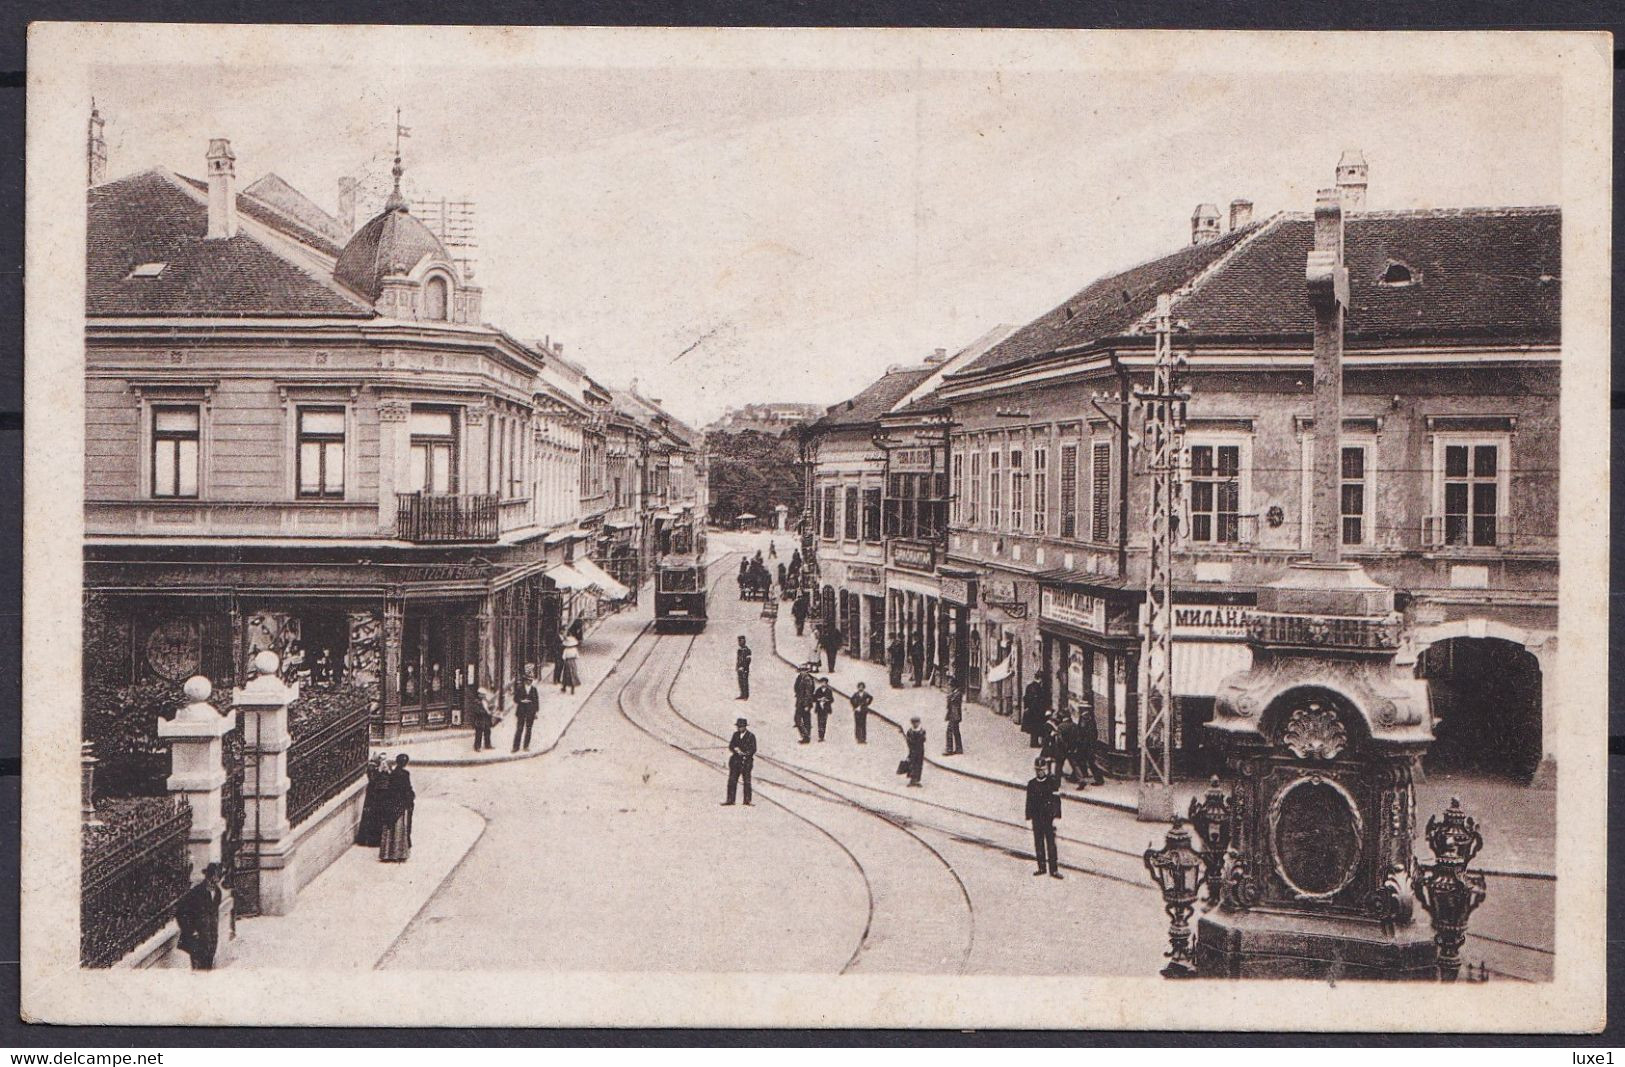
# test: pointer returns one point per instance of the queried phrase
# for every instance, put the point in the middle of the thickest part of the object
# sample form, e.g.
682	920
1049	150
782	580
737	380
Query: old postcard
638	527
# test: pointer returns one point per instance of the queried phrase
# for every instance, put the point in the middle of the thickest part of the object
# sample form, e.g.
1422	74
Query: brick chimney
1241	213
1352	173
1204	224
96	148
222	189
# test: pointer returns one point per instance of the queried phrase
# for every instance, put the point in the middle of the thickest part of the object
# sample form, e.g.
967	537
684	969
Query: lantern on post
1447	891
1210	816
87	783
1178	870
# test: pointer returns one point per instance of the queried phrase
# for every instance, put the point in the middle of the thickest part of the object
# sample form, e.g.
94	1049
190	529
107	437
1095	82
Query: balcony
1379	634
445	518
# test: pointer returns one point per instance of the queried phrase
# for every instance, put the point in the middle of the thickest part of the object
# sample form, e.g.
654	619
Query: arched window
436	297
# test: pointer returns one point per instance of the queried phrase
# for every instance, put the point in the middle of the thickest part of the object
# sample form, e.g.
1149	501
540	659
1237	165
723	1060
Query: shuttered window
1069	490
1101	493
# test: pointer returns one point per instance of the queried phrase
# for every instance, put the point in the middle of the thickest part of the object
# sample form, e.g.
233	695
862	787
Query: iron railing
325	761
1467	531
427	518
1325	631
133	870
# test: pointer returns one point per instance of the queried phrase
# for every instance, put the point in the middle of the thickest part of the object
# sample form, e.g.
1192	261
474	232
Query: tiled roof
271	215
393	242
153	218
272	190
1107	307
1492	273
874	401
1476	274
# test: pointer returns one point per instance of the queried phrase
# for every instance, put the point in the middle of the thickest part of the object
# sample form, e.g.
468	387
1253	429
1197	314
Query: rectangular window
958	508
1018	490
829	513
871	515
1472	494
850	527
1215	494
516	473
320	460
1040	490
434	451
1100	493
995	499
1069	491
1352	494
974	516
175	439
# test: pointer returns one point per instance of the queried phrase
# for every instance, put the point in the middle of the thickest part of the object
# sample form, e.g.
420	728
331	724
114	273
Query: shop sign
1211	621
863	572
913	556
1073	608
1001	593
958	590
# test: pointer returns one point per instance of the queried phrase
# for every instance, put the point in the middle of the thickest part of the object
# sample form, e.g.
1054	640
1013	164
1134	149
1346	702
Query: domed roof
392	243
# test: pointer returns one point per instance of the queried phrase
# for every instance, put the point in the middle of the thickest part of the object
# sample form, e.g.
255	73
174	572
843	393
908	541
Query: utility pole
1163	409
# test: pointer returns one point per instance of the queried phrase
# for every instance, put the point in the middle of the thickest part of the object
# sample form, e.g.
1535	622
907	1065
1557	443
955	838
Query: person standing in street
1065	746
741	757
1033	708
894	660
798	612
914	764
197	914
953	744
395	843
916	657
823	704
742	668
861	703
484	717
1043	808
570	676
805	687
830	638
527	697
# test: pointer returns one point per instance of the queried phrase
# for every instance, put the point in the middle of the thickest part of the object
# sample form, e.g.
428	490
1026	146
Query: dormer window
1397	275
436	298
147	270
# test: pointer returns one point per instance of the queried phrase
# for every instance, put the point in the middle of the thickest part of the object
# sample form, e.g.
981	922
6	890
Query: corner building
1449	467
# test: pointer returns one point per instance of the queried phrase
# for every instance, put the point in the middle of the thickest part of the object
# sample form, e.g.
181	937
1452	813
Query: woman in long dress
372	803
570	674
395	841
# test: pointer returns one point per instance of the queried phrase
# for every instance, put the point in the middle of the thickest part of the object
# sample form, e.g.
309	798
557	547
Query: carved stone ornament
1315	732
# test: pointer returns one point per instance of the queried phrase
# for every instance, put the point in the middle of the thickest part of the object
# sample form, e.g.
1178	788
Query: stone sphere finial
266	663
198	689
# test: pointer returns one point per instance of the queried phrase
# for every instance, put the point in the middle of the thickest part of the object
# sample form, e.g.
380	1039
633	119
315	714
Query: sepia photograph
816	528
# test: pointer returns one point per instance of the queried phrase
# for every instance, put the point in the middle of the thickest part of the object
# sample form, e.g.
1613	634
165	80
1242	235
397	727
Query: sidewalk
353	912
601	652
1519	822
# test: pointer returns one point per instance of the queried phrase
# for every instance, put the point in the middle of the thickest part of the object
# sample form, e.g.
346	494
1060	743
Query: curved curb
512	757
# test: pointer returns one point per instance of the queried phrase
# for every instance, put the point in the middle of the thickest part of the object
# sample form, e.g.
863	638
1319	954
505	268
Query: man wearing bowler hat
741	754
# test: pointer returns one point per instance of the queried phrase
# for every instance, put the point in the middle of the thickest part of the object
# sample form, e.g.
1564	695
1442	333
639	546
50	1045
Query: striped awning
1200	666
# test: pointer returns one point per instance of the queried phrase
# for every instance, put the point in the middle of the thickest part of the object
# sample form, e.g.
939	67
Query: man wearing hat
742	668
805	687
1043	808
741	754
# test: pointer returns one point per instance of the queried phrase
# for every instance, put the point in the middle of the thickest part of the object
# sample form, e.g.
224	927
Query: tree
752	473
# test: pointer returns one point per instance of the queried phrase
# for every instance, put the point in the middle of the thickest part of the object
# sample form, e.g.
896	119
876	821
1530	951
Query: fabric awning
566	576
608	586
1200	666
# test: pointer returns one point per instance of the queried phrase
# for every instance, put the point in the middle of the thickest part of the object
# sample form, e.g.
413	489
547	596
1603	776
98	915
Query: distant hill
751	472
773	418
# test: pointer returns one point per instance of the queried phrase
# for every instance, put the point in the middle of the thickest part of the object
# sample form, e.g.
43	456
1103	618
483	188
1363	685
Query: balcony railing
1467	531
431	518
1325	631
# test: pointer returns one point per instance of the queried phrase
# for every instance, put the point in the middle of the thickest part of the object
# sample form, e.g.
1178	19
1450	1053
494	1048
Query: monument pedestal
1255	944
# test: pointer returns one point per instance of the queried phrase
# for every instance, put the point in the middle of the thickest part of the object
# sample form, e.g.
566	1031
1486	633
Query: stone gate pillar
196	737
263	702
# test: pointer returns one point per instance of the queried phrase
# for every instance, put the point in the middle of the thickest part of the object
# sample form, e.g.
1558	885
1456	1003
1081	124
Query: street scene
740	521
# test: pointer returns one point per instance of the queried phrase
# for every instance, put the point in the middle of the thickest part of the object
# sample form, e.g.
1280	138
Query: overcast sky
817	226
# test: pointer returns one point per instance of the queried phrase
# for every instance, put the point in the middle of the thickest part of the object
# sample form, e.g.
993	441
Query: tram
680	585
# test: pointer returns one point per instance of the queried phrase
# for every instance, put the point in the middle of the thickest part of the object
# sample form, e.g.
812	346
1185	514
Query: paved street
612	850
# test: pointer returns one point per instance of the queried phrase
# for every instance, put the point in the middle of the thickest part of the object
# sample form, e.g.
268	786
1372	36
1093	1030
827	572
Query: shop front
1006	637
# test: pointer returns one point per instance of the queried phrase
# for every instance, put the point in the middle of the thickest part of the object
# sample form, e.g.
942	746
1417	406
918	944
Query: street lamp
1211	818
1178	870
1447	891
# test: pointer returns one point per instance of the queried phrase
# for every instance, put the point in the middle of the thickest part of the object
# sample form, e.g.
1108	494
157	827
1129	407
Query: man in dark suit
741	755
805	687
823	704
830	639
862	702
198	916
894	660
527	702
953	744
1043	808
742	668
1088	743
798	612
916	657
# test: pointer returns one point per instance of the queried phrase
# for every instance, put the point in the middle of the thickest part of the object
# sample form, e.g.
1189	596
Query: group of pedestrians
910	652
386	809
1060	738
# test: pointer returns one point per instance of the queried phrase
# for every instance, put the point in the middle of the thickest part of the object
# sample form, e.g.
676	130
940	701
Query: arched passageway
1487	702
